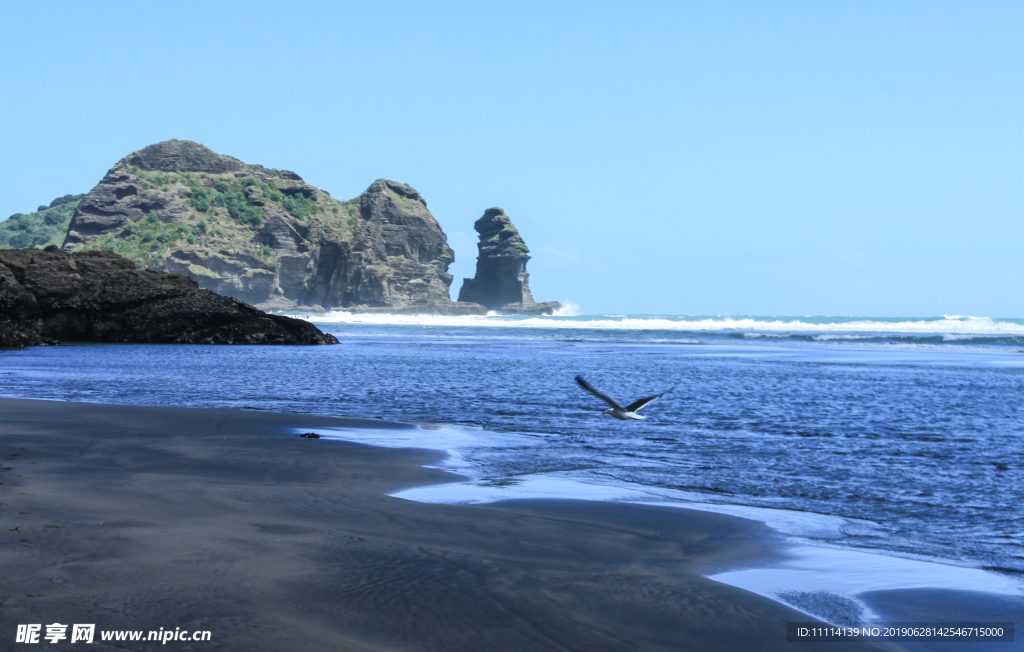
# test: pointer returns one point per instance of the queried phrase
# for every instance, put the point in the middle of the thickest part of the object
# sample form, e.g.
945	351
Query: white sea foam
946	326
452	440
567	310
460	442
551	486
804	570
851	573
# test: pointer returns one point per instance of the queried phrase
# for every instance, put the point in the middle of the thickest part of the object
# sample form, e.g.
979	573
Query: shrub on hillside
66	199
46	226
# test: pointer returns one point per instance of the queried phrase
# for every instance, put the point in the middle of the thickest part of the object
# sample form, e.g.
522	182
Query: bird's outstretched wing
604	397
636	405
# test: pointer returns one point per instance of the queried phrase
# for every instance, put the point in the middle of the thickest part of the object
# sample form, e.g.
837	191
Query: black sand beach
139	518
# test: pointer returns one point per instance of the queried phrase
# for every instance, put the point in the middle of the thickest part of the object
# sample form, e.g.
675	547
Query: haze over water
910	428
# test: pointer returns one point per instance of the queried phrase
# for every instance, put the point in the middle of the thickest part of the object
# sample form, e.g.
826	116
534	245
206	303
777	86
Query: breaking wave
951	327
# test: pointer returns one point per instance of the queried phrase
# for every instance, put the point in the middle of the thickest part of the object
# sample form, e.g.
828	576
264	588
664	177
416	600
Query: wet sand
923	605
140	518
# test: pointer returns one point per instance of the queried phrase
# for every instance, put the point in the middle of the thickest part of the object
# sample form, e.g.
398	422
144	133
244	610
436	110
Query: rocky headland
265	236
98	296
501	282
268	238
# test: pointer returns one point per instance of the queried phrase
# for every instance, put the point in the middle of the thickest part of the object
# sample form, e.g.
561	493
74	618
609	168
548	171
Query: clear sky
768	158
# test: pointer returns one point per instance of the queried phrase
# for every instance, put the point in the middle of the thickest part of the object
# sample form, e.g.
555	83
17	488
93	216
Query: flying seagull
625	413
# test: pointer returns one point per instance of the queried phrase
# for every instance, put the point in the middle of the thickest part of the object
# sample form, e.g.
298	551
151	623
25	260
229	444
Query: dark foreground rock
501	282
99	296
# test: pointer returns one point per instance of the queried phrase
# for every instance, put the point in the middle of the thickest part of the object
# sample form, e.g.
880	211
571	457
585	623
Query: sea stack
501	282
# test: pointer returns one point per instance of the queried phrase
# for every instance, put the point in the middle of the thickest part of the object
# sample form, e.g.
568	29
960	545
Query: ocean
900	437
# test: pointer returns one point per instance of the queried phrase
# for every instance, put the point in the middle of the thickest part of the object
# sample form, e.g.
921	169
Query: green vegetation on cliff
44	227
217	215
211	191
144	241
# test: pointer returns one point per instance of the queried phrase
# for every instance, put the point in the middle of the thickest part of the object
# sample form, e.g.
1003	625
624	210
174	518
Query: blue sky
786	158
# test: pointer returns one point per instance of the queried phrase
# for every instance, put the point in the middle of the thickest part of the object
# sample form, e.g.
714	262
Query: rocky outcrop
124	196
265	236
501	282
183	156
99	296
396	258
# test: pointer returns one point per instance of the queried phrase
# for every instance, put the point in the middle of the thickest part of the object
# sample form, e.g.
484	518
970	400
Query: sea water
898	436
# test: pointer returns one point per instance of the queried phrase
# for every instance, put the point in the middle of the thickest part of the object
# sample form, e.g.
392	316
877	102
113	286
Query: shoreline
818	557
816	574
214	519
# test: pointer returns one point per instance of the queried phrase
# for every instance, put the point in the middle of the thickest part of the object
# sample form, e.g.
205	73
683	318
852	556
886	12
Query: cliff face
265	236
501	281
98	296
397	255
